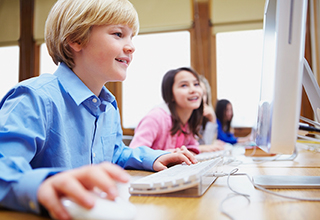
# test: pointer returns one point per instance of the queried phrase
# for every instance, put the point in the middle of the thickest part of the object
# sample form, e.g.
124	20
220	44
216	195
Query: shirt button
94	100
32	205
94	154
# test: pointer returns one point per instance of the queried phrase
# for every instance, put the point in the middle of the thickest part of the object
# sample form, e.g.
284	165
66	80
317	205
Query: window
239	64
155	54
46	63
9	68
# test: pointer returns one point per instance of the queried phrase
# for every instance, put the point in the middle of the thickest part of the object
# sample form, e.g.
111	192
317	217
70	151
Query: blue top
225	136
52	123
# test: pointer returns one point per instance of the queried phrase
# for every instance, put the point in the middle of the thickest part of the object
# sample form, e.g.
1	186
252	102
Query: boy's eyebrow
122	27
116	26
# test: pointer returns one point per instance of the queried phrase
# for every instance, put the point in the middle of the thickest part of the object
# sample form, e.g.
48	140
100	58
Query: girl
208	129
224	113
174	125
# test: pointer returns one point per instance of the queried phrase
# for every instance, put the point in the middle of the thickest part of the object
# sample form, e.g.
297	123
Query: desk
262	205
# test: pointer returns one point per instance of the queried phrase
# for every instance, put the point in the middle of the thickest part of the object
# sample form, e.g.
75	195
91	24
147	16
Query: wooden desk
262	205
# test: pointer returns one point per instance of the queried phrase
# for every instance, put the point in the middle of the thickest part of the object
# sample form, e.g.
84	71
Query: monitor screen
282	70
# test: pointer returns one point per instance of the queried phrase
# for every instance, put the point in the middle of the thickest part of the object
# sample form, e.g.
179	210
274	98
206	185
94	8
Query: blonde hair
71	21
208	88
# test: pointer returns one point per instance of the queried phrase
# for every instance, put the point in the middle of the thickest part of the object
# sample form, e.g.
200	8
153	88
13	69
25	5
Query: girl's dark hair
221	108
195	120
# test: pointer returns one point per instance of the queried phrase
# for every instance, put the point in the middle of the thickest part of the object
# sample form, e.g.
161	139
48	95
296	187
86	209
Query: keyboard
210	155
179	178
215	154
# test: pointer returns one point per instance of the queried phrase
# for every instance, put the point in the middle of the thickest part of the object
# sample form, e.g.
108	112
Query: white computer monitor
282	71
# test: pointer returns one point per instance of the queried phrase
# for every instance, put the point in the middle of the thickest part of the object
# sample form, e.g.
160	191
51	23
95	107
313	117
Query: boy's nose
129	48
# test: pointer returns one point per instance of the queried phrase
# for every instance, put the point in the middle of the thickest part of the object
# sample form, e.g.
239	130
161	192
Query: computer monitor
282	71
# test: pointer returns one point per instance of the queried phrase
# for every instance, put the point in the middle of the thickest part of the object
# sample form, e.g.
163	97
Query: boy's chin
120	79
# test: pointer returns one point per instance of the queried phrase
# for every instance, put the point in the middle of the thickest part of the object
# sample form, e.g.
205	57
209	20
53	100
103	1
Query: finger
49	199
104	177
105	181
71	186
116	172
158	166
189	155
183	147
169	160
178	158
176	150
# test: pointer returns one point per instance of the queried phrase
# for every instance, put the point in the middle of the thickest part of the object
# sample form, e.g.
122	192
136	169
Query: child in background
175	124
209	126
56	130
224	114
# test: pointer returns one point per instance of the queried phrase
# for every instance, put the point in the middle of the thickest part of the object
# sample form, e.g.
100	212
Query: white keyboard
215	154
175	178
209	155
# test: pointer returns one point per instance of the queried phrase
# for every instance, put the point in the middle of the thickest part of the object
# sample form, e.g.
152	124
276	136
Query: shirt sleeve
18	145
19	184
141	157
209	133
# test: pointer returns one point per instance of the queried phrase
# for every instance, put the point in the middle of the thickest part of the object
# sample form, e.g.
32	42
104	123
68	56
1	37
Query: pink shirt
154	131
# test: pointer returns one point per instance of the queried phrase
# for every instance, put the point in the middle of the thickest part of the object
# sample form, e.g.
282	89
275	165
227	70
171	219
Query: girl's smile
187	93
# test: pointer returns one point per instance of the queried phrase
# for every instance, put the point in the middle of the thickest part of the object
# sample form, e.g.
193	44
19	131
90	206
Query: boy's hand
180	155
77	185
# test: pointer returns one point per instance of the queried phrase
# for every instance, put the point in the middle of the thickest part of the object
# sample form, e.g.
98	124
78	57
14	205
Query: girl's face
229	112
187	92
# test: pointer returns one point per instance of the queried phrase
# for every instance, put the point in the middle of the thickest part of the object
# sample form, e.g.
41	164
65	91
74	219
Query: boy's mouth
122	61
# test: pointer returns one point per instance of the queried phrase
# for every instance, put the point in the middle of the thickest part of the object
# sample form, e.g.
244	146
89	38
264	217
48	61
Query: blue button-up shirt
54	122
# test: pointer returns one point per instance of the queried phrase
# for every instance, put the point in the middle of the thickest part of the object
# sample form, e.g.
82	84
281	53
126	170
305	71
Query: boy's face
107	54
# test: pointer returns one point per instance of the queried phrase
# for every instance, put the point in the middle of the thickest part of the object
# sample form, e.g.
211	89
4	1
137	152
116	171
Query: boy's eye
118	34
197	84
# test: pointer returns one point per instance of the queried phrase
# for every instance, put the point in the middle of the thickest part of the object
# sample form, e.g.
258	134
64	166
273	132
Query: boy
53	125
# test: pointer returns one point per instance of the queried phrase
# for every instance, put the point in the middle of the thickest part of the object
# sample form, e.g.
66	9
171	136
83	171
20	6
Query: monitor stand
287	182
277	157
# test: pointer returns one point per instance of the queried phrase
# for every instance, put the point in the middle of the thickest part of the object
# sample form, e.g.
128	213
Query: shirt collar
78	91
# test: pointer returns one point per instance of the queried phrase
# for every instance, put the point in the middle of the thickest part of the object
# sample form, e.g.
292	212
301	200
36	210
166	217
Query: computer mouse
103	209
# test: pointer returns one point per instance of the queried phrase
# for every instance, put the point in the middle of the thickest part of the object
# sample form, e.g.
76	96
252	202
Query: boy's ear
76	46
